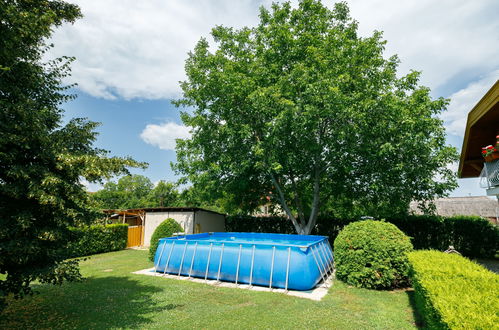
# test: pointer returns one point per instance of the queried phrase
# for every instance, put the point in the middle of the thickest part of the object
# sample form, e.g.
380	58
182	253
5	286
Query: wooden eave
124	212
482	127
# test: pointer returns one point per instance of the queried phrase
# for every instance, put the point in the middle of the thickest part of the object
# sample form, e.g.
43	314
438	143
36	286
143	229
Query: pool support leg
325	262
182	261
317	263
238	262
287	270
192	260
159	260
220	264
326	275
208	263
252	263
328	257
272	267
169	255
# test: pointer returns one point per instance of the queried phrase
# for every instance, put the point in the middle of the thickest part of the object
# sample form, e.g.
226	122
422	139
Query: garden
381	282
112	297
300	112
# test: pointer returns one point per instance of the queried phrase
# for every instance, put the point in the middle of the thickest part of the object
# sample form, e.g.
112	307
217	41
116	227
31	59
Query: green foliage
372	254
471	236
136	191
98	239
304	110
42	161
453	292
164	194
165	229
129	192
474	236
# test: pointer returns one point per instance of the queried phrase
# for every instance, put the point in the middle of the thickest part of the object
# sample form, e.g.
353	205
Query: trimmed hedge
165	229
98	239
452	292
471	236
372	254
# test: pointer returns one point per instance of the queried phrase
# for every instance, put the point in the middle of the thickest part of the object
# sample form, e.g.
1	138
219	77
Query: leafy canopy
136	191
304	110
42	161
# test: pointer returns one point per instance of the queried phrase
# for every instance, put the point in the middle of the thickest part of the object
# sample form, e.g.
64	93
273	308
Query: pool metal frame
320	258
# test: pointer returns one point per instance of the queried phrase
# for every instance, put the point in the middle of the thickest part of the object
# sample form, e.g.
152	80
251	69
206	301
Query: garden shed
142	222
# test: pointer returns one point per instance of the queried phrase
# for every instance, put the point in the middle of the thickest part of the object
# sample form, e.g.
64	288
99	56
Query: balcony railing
489	177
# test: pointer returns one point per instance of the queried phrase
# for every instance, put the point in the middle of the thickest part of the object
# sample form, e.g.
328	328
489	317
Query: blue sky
130	55
122	122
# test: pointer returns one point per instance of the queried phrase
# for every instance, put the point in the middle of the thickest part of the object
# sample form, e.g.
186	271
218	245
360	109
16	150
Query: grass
112	297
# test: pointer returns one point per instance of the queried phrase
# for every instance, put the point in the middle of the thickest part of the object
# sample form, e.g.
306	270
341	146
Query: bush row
472	236
98	239
452	292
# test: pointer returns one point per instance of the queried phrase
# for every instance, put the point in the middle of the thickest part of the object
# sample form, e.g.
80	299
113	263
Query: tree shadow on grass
95	303
418	319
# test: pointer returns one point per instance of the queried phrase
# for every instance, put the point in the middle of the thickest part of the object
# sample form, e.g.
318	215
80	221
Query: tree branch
282	200
315	203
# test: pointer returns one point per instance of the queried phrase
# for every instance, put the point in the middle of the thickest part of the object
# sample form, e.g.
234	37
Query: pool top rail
267	239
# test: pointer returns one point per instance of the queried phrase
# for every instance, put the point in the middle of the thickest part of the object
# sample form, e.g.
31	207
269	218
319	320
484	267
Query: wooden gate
134	236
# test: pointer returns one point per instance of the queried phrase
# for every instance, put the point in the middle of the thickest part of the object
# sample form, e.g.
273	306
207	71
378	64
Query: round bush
372	254
165	229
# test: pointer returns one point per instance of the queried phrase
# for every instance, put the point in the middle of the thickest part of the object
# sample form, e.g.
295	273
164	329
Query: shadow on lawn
107	302
418	319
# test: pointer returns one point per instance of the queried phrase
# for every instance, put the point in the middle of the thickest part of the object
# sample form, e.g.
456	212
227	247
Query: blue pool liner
291	262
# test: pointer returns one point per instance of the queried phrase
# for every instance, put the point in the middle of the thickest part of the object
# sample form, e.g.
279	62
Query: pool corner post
159	260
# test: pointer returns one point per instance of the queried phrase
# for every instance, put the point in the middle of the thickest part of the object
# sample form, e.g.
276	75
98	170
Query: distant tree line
137	191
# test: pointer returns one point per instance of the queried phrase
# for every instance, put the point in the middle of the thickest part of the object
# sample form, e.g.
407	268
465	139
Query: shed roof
165	209
473	205
482	127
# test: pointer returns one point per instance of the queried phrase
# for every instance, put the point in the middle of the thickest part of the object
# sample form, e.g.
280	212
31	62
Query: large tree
42	161
304	110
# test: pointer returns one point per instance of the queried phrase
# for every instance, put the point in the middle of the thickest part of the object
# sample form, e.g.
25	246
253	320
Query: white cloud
445	39
464	100
164	135
137	49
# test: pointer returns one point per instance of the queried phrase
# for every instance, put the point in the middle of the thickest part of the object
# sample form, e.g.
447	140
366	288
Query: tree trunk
301	227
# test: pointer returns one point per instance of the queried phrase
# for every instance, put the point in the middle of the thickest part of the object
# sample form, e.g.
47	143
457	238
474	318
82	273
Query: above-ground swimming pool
296	262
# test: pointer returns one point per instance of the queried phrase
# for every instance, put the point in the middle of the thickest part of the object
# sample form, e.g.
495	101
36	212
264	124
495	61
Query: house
482	206
482	127
142	222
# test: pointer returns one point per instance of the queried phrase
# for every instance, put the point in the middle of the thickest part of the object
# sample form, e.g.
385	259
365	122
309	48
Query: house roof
473	205
163	209
481	130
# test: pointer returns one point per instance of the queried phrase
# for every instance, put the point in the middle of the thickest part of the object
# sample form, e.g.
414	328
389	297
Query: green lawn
112	297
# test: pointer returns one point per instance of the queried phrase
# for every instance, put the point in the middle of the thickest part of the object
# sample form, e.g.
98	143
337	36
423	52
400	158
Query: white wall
153	219
210	222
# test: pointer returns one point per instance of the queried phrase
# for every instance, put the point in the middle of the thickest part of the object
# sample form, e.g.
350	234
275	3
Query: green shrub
452	292
471	236
474	236
98	239
372	254
165	229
